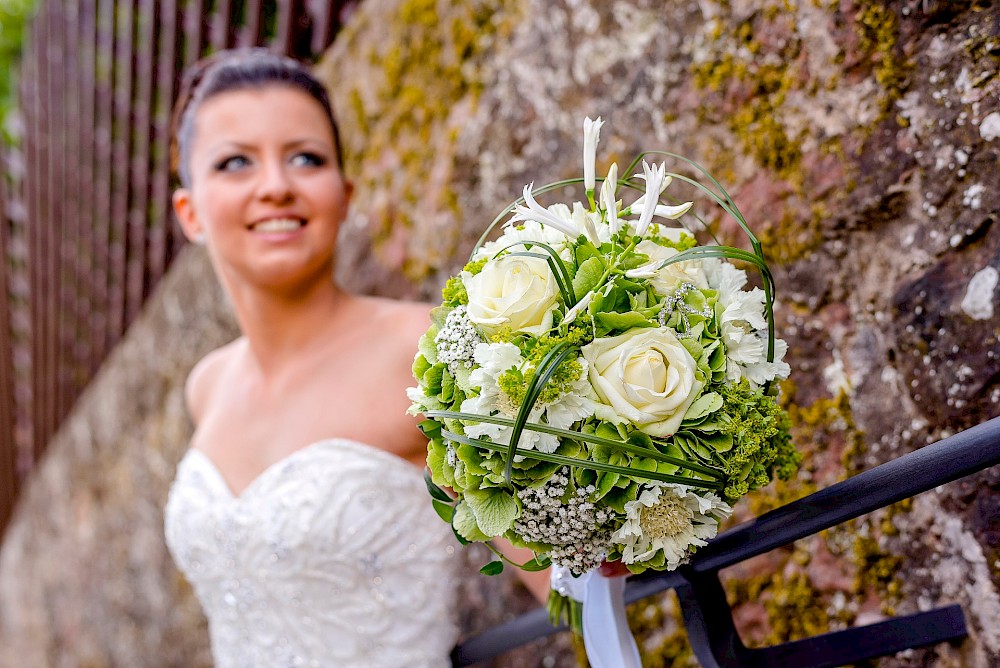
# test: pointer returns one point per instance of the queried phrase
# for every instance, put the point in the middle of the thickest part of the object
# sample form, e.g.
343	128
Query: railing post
709	621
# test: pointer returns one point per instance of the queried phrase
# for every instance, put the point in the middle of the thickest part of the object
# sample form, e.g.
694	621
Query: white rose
513	290
646	376
669	278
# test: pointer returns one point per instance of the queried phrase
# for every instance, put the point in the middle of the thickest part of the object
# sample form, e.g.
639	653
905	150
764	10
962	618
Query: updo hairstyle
236	70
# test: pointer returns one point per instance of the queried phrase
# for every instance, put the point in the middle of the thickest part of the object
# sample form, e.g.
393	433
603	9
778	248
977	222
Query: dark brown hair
233	70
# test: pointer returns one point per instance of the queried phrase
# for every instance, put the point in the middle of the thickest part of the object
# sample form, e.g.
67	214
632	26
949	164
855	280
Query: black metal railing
706	612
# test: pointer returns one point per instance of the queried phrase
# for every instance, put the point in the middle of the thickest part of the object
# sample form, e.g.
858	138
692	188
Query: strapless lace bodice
331	557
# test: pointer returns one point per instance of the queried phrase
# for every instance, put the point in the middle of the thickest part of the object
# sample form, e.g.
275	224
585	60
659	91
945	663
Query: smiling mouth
278	225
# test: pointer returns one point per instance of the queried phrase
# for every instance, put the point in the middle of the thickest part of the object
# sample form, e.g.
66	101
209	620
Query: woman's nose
274	183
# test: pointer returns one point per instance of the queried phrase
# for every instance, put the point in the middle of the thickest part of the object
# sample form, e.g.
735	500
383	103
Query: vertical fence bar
251	33
101	224
284	27
77	196
193	21
220	25
120	143
321	12
139	174
71	201
88	356
194	39
159	210
26	406
56	113
43	288
8	449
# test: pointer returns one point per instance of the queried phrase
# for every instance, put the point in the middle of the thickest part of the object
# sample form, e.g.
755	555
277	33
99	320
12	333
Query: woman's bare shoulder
405	321
202	379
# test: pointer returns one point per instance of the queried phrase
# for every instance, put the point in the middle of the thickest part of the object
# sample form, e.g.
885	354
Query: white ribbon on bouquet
606	636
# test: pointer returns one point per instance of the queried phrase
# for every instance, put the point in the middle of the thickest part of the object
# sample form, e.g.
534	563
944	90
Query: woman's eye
307	159
232	163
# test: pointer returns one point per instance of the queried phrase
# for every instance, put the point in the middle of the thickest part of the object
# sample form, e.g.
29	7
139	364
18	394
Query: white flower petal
591	135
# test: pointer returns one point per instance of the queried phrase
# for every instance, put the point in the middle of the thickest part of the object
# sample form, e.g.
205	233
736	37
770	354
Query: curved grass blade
564	287
745	256
558	266
580	436
732	209
583	463
543	372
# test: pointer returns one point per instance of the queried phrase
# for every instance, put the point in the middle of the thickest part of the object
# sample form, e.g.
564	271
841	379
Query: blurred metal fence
86	228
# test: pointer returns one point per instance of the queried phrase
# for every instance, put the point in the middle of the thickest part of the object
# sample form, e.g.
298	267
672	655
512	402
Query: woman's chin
290	274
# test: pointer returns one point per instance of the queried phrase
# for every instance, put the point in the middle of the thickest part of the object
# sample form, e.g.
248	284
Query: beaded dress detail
333	556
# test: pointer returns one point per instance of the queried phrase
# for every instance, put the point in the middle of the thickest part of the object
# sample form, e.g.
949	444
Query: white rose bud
670	277
513	290
646	376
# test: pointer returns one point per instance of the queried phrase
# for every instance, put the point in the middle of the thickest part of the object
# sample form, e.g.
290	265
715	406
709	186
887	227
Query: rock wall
859	139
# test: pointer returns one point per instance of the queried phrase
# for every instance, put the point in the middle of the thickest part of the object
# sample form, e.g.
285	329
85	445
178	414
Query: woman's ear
184	208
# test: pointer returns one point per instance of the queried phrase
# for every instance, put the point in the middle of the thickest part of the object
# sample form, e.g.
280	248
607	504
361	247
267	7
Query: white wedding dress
333	556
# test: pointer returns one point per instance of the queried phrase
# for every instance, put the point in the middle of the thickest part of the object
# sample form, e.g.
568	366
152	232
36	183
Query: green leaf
420	367
495	509
704	405
586	250
435	491
492	568
588	276
447	386
605	483
623	321
537	564
693	346
433	379
641	439
619	496
427	345
439	315
435	461
444	510
465	525
472	459
719	442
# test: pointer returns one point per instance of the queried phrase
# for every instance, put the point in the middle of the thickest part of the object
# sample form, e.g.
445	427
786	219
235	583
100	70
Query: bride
299	513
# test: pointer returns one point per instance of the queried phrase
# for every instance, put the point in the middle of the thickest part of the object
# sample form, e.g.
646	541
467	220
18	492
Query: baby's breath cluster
456	341
573	526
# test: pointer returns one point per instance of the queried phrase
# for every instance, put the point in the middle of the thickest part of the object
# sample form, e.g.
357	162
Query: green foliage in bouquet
597	384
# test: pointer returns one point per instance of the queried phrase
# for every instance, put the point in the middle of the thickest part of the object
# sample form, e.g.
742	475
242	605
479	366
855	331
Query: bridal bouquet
597	384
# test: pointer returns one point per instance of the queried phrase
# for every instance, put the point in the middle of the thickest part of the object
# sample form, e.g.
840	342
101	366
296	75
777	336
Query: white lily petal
644	271
591	135
654	177
586	224
608	190
578	308
672	212
536	212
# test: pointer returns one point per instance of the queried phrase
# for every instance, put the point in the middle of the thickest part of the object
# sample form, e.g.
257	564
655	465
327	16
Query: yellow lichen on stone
659	648
425	67
876	570
792	610
878	32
